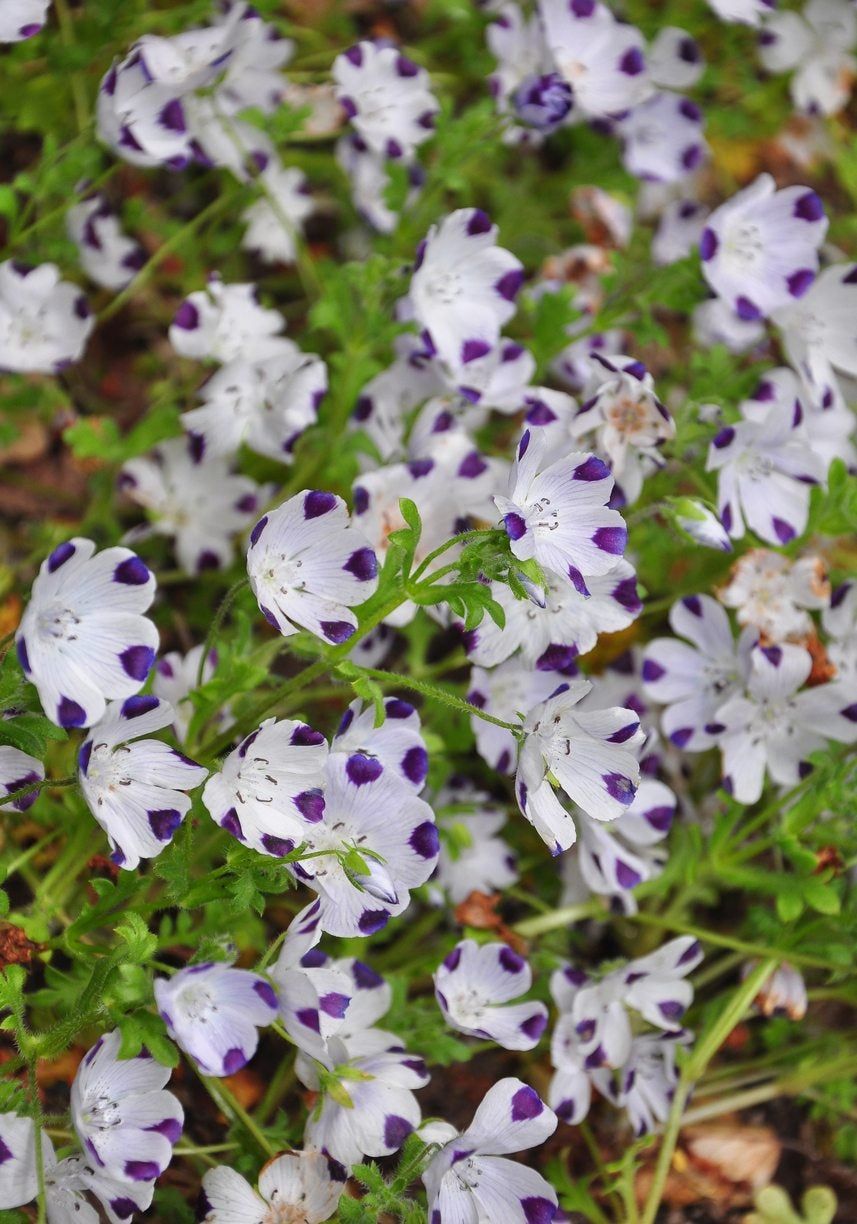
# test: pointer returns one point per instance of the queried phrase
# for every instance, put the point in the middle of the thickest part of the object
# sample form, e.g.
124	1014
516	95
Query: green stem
463	538
225	604
706	1047
218	204
789	1085
228	1105
33	788
78	91
435	693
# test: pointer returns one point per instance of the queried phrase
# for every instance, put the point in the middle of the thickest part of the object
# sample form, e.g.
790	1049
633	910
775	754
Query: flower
176	677
765	469
473	858
611	860
471	1178
309	566
396	743
693	680
557	512
513	687
760	249
213	1011
195	500
268	789
83	637
589	754
381	841
136	791
570	1089
464	286
662	138
107	256
646	1083
266	405
386	96
523	61
550	637
173	101
674	58
225	322
66	1181
782	994
601	58
274	221
715	323
652	985
305	1186
17	770
745	12
772	726
699	523
624	420
840	624
678	232
126	1121
44	321
775	594
819	331
828	421
22	19
315	996
817	44
474	986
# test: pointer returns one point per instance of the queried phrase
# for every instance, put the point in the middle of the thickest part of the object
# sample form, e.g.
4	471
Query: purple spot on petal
526	1104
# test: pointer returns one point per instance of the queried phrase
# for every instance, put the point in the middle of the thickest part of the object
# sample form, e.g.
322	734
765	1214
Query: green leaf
30	733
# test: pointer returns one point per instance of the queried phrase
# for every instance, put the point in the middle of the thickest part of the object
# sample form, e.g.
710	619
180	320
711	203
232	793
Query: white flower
474	986
369	175
662	138
760	249
107	256
380	841
782	994
136	791
828	421
588	752
523	63
17	770
674	58
274	221
471	1177
646	1083
386	96
372	1108
745	12
309	565
654	986
775	594
265	405
698	522
226	321
213	1011
694	680
269	788
44	321
510	689
396	743
817	44
83	637
819	332
125	1119
765	469
623	419
305	1186
840	624
611	860
20	19
464	286
714	322
197	501
773	727
556	512
473	858
678	232
19	1182
601	59
175	679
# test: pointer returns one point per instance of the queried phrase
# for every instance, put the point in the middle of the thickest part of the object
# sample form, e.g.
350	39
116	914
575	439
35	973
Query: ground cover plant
428	660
